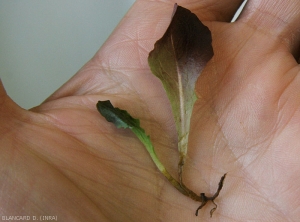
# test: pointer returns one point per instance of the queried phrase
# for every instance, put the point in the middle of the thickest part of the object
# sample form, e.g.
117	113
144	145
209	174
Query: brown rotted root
205	199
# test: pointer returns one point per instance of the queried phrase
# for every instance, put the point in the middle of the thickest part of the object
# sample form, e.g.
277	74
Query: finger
277	19
9	109
123	57
212	10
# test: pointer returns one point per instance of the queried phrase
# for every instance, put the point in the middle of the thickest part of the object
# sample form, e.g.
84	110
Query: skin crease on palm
62	158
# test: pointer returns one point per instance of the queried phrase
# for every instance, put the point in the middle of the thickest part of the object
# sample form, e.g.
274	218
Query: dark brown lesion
200	198
205	199
180	168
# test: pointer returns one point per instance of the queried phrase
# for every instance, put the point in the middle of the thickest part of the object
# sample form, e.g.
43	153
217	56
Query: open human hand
62	158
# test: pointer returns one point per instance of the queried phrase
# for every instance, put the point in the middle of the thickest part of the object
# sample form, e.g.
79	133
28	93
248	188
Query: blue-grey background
44	43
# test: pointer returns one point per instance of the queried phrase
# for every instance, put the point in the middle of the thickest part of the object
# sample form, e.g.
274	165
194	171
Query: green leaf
177	60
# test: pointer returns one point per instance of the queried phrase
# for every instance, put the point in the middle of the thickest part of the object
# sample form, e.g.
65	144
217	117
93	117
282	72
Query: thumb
8	108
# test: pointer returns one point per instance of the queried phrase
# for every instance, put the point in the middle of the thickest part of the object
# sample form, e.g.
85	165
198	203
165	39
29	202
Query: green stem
178	185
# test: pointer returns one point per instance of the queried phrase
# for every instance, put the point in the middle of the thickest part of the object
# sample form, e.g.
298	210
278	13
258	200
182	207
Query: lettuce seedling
177	60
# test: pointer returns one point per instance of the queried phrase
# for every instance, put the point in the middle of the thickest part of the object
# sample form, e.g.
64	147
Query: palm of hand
64	159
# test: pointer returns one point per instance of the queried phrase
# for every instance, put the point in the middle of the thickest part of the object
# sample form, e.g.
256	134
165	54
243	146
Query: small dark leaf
120	118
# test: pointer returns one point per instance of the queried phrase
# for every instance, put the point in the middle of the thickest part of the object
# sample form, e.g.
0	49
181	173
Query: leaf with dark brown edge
177	60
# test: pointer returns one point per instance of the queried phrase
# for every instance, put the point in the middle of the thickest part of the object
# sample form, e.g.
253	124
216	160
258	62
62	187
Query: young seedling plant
177	60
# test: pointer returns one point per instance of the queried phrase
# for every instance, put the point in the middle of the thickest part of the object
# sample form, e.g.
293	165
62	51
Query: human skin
63	158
